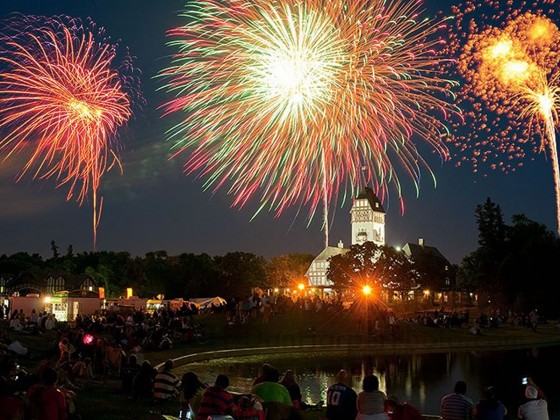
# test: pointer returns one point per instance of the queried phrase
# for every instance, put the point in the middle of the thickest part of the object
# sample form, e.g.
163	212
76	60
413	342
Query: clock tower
368	219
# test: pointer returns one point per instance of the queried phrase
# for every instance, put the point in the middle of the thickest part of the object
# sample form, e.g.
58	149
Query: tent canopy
208	301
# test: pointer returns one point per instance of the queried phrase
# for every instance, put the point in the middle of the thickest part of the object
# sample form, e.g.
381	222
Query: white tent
207	302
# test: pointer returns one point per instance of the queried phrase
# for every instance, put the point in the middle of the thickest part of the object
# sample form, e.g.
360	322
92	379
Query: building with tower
367	219
368	224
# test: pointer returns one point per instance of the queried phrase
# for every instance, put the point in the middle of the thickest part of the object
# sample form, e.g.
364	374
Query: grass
295	328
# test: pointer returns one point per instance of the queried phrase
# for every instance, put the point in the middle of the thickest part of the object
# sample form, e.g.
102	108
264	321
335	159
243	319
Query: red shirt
12	408
47	403
215	401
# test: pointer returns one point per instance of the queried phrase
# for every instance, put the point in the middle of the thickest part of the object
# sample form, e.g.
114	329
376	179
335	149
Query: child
247	409
83	369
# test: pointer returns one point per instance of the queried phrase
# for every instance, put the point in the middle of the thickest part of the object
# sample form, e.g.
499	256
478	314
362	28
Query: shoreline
362	344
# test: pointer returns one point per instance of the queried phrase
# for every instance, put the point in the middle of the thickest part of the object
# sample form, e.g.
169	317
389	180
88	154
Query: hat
531	392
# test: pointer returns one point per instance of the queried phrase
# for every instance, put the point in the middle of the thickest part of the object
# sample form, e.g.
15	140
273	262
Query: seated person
270	390
248	409
216	400
166	383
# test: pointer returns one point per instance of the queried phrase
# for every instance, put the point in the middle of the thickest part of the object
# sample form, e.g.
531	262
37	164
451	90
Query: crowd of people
50	391
457	405
278	397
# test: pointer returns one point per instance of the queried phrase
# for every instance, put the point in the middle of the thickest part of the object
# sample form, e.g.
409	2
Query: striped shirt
215	401
165	385
456	407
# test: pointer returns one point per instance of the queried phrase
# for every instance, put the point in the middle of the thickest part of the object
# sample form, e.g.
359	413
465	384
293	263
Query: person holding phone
535	407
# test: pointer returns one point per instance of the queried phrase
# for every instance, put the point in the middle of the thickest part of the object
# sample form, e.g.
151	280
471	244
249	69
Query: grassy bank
309	329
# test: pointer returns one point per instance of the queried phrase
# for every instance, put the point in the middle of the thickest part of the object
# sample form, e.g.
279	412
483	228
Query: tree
282	271
157	273
196	275
54	249
239	273
492	249
491	226
381	266
514	266
396	270
530	266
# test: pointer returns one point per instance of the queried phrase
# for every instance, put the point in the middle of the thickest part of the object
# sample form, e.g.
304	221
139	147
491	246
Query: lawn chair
113	361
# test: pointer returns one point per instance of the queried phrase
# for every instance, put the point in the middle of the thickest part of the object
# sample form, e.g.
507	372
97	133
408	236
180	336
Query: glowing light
301	287
294	102
63	98
515	72
367	290
502	49
88	339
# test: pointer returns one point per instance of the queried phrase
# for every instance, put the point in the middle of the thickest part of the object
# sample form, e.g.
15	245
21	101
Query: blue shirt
341	403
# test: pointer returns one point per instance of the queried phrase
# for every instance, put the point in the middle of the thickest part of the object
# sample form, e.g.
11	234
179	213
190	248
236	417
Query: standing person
457	406
371	401
535	407
191	392
216	400
341	399
489	407
166	383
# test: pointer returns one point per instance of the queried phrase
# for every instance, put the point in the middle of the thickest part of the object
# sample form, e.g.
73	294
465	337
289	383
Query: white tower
368	219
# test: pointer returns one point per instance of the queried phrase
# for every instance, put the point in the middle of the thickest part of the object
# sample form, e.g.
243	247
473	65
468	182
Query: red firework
62	102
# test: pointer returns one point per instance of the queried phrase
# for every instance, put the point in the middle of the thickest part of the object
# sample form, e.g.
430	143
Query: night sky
154	206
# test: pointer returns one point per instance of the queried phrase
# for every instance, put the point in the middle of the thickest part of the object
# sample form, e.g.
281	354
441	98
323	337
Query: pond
419	378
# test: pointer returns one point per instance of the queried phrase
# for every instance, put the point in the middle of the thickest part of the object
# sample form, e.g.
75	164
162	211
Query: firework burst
62	101
294	101
509	58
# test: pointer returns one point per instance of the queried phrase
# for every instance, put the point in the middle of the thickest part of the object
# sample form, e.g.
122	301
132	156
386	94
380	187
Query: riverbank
284	333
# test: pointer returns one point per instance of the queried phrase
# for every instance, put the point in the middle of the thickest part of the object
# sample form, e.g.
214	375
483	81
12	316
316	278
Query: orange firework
509	60
62	102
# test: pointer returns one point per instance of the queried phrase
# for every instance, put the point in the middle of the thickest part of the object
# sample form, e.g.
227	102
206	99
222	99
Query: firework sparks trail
62	101
509	58
289	100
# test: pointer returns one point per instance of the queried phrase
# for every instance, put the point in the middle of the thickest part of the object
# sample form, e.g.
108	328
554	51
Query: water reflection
419	378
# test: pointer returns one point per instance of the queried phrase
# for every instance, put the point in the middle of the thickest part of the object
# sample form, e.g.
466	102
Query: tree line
514	267
185	275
